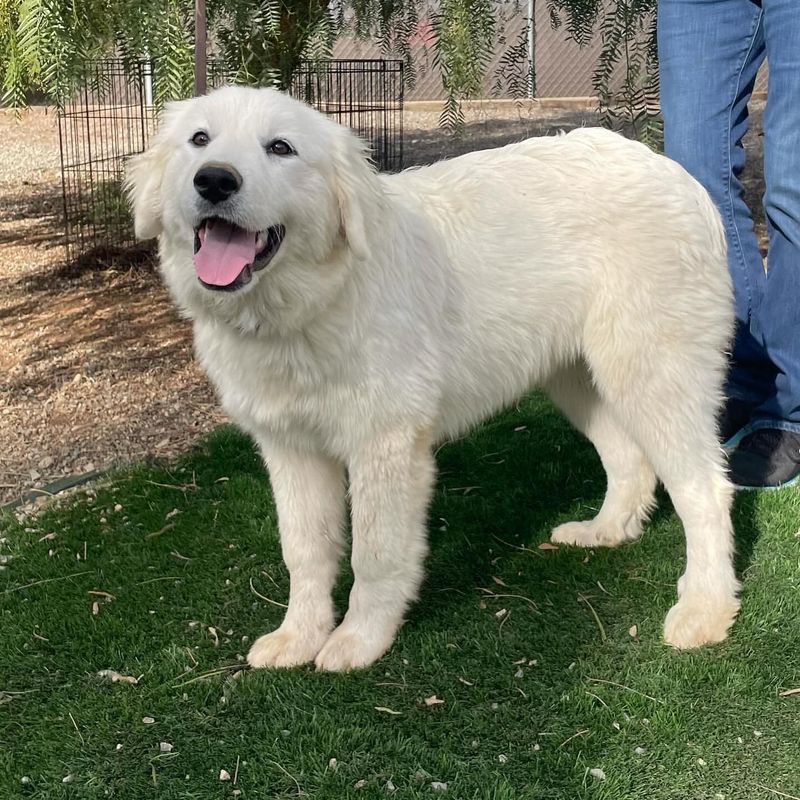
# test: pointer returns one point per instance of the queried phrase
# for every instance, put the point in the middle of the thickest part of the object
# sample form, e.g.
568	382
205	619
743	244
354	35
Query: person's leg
709	54
777	319
770	455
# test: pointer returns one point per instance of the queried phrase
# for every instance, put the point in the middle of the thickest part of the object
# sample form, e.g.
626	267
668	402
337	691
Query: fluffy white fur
402	309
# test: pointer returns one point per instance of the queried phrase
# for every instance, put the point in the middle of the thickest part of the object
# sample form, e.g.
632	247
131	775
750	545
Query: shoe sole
793	482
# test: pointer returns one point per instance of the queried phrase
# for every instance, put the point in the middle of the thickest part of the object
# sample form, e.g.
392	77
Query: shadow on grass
745	529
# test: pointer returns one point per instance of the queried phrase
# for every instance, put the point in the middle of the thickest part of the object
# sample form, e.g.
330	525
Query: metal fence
106	121
366	95
111	118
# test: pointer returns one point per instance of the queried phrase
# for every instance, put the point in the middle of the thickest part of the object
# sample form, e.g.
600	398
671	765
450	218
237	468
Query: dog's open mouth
226	256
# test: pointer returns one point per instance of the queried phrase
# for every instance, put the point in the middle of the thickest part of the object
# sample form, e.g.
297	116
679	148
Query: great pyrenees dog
350	321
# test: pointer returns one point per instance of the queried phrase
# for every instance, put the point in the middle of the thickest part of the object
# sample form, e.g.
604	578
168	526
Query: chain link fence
562	68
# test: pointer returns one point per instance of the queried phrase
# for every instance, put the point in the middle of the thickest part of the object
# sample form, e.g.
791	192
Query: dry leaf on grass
790	692
117	677
433	700
391	711
547	546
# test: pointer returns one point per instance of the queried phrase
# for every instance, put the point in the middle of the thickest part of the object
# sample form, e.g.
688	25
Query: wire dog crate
107	120
367	96
111	117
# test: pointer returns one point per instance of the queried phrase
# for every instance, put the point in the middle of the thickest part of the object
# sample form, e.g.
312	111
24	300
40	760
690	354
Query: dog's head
243	180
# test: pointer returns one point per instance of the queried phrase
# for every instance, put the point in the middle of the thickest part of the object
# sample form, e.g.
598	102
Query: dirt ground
96	368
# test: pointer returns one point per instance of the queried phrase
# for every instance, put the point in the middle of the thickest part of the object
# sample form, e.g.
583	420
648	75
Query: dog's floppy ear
356	188
144	174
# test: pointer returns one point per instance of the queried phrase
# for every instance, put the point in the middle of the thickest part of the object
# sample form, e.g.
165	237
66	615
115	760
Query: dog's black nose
217	183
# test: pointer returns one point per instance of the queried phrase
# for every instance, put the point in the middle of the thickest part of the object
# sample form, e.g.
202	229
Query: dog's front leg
309	495
390	488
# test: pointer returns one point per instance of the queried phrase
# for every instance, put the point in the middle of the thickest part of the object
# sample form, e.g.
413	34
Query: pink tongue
225	250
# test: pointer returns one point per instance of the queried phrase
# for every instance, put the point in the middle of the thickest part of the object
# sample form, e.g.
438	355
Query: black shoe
734	416
766	459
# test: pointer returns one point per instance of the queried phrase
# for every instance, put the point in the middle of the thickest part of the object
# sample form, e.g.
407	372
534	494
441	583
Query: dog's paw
349	648
697	620
593	533
285	647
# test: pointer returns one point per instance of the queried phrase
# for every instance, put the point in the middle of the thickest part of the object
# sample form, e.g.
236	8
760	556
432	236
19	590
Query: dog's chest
281	391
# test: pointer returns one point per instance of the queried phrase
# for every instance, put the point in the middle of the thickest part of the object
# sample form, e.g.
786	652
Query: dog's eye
280	148
200	139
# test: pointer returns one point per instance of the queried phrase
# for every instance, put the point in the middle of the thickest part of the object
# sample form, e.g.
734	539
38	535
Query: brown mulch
96	367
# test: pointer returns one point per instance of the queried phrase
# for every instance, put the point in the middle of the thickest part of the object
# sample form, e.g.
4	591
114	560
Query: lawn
521	673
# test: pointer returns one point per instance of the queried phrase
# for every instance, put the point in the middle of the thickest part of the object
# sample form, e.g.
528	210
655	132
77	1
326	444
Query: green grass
586	697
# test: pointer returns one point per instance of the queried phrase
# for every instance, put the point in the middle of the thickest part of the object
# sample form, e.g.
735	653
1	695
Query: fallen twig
167	527
600	627
77	729
627	689
153	580
100	593
210	674
264	597
775	791
181	488
46	580
490	593
574	736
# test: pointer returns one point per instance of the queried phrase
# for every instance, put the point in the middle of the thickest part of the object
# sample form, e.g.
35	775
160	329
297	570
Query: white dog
350	321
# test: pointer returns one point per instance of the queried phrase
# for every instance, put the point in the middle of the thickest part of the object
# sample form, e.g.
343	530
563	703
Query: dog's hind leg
669	406
631	481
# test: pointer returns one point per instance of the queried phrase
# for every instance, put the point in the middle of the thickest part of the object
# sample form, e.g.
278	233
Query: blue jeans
709	52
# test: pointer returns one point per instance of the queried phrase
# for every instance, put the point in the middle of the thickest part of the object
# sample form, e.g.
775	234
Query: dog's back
559	245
